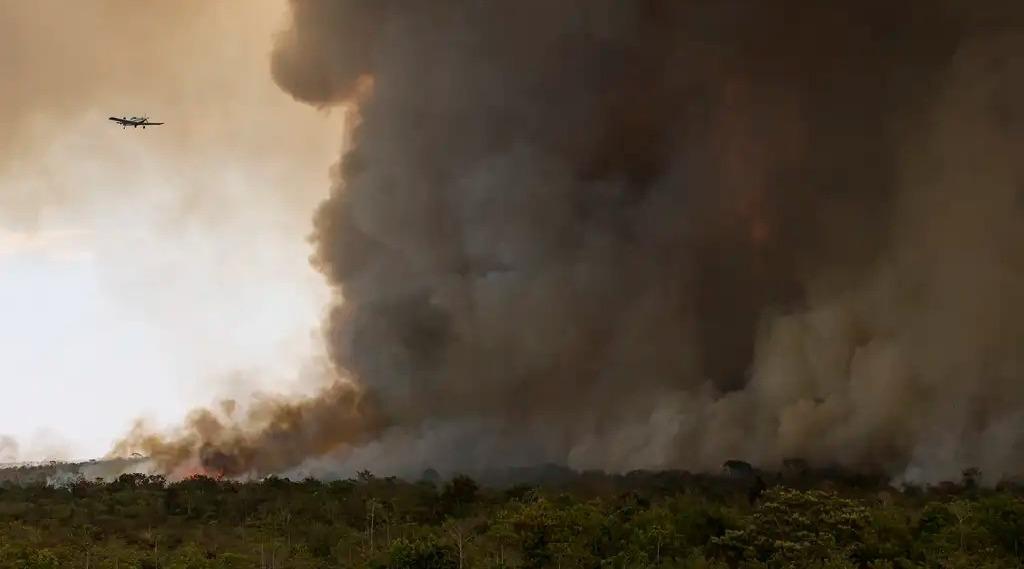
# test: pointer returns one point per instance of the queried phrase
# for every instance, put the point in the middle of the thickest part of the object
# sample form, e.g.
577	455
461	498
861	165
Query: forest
563	520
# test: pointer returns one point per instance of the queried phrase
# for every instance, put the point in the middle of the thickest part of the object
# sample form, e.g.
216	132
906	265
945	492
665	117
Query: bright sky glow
164	266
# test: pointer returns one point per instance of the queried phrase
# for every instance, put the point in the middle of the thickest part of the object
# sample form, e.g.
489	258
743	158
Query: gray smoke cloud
8	449
664	234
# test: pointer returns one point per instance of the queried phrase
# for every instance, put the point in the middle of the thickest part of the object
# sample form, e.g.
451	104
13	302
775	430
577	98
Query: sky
144	272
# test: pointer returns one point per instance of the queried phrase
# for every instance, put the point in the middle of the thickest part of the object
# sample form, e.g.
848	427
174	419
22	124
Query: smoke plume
660	234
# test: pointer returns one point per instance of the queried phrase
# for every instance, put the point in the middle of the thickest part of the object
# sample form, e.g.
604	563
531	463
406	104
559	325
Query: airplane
134	122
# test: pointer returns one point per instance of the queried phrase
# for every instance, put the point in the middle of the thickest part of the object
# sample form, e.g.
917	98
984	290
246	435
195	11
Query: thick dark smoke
268	436
664	233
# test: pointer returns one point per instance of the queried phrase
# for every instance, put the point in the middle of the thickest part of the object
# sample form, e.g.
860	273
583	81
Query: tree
461	534
1002	516
500	532
641	520
42	559
232	561
426	553
189	557
798	529
458	494
971	478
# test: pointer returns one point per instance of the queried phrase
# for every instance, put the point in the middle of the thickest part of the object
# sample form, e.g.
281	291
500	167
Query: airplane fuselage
134	122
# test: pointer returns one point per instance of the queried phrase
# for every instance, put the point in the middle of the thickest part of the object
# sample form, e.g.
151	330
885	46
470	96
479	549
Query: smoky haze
141	271
658	234
188	63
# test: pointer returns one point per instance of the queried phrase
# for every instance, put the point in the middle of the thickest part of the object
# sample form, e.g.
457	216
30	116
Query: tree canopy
591	520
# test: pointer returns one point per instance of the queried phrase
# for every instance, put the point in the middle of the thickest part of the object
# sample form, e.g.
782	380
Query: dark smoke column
558	214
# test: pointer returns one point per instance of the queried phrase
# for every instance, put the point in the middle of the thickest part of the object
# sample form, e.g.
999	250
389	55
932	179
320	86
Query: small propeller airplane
134	122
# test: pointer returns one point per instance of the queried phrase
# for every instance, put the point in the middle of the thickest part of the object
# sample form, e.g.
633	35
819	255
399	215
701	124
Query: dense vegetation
664	520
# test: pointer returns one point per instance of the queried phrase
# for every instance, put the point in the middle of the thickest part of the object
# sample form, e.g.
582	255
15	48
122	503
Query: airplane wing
134	122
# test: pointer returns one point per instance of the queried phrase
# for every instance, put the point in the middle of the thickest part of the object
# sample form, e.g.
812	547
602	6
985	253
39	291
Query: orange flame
197	471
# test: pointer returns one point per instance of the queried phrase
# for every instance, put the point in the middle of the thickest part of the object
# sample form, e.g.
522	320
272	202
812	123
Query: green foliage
550	534
21	557
232	561
189	557
1002	518
792	528
636	521
425	553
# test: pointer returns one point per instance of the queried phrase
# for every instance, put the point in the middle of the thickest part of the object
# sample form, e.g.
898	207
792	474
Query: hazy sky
143	272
